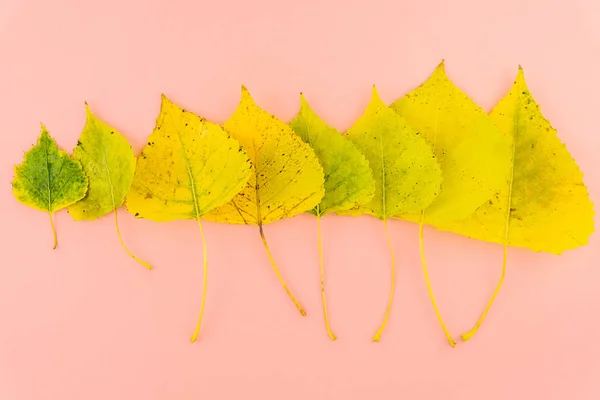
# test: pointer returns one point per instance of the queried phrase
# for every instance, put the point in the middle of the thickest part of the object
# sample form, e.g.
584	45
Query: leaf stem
272	260
53	231
377	336
429	288
469	335
320	238
204	284
145	264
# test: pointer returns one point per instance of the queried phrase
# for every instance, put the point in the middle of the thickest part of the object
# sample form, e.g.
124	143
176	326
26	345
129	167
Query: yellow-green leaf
286	180
406	172
471	149
108	162
349	181
188	167
48	179
544	204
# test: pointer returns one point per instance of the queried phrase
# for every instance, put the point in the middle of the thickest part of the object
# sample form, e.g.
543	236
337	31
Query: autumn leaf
109	164
48	179
349	181
188	167
543	204
407	174
472	151
286	178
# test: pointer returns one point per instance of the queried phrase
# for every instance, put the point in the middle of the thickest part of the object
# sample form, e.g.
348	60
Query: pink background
86	322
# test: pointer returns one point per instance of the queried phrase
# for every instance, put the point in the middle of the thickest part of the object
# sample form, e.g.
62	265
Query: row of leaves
432	157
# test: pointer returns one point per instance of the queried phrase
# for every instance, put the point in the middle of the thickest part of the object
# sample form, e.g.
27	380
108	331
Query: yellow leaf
349	180
471	149
188	167
109	164
286	178
48	179
473	153
544	204
406	172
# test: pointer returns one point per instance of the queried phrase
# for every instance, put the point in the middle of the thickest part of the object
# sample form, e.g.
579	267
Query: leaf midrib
189	171
512	169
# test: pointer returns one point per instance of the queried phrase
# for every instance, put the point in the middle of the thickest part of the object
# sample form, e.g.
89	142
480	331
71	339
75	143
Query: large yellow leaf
544	204
109	164
407	174
472	150
188	167
48	179
349	180
286	179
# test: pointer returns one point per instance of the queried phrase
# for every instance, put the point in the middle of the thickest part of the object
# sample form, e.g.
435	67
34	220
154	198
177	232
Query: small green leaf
48	179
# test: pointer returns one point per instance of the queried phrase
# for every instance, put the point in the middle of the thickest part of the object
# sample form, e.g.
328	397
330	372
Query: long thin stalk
469	335
329	332
204	284
144	263
377	336
272	260
53	231
429	288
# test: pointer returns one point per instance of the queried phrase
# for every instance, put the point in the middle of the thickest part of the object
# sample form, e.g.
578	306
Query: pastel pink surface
86	322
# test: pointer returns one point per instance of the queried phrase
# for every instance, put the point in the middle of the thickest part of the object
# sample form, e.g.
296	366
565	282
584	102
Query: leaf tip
303	102
375	98
520	73
520	79
165	101
246	94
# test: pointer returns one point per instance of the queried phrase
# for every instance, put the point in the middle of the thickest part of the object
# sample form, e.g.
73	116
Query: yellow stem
377	336
53	231
197	331
272	260
469	335
329	332
429	289
145	264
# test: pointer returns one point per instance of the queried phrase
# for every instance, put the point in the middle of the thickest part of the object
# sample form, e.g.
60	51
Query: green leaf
48	179
349	181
